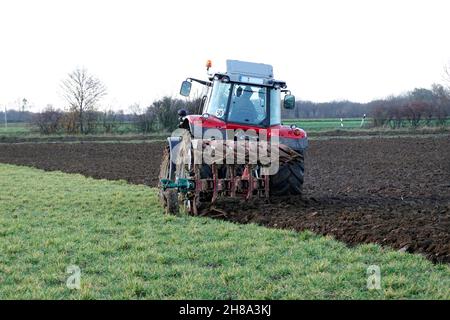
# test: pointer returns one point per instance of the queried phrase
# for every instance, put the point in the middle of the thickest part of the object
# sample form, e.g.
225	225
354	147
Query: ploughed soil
394	192
137	163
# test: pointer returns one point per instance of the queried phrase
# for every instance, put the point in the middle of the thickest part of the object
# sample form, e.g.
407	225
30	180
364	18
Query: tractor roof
250	72
237	68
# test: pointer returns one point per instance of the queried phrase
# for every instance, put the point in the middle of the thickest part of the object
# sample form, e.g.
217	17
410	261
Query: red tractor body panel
212	122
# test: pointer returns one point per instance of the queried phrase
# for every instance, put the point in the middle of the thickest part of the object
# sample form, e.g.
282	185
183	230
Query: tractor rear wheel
185	170
289	178
168	197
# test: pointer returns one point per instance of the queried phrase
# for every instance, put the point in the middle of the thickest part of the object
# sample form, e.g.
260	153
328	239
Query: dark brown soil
80	138
395	192
136	163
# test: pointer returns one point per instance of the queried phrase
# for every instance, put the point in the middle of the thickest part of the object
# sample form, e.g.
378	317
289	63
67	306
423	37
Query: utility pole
24	104
363	120
6	119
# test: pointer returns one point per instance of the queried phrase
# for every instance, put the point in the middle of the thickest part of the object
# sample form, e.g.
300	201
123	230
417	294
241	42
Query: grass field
21	129
353	124
126	248
15	129
315	127
328	124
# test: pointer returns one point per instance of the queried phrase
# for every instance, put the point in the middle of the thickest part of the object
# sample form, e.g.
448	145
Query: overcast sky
142	50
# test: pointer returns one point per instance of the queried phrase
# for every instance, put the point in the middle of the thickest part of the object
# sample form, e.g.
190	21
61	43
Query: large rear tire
289	179
187	202
168	197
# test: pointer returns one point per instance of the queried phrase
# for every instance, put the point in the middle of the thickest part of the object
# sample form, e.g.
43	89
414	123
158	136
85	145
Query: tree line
161	115
412	108
83	92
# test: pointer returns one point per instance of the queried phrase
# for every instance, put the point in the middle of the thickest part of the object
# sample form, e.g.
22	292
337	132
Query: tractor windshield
244	103
248	104
218	101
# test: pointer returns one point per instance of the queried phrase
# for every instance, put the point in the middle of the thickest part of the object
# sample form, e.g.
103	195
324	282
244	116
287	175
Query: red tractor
237	147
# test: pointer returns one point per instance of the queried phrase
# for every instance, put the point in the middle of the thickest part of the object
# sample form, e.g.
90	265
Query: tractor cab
247	94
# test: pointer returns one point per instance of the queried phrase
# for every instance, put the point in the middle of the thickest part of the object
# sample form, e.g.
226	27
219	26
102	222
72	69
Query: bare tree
442	102
143	118
48	121
82	92
447	75
109	120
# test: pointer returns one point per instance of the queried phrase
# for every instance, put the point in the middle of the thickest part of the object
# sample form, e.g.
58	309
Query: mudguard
299	145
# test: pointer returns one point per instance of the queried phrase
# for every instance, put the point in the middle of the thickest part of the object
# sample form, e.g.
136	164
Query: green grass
15	129
126	248
27	129
351	124
124	131
25	132
328	124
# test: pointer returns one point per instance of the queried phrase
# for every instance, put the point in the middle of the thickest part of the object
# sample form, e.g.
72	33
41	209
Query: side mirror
185	88
289	101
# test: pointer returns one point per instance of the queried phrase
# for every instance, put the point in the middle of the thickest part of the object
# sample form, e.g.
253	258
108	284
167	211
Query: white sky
142	50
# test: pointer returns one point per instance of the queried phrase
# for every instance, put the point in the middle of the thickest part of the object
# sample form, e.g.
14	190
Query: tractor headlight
205	116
